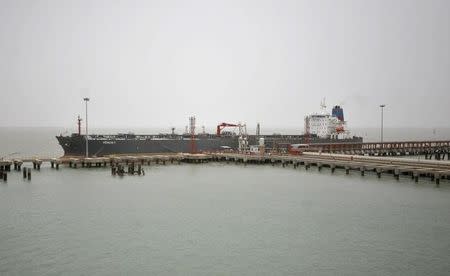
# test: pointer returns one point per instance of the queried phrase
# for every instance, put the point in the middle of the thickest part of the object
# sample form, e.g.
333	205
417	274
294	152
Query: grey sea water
217	219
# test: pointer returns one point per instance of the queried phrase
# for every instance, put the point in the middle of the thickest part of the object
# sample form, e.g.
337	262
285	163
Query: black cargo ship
101	145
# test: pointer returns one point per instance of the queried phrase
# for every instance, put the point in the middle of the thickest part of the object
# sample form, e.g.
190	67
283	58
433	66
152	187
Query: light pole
86	100
382	108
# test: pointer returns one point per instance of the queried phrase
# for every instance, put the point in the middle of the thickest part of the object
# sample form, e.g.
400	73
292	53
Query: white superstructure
325	125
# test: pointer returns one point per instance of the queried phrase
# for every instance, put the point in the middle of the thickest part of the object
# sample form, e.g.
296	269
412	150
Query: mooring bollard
29	173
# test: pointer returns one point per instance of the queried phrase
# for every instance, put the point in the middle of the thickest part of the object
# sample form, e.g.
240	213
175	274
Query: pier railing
385	148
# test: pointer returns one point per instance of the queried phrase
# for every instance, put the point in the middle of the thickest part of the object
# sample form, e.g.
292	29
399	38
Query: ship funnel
338	112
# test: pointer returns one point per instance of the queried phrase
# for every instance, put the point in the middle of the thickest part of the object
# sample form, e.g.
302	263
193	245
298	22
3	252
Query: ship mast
79	125
192	132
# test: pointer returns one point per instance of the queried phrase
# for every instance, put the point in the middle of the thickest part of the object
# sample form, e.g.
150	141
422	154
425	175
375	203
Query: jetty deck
415	169
437	149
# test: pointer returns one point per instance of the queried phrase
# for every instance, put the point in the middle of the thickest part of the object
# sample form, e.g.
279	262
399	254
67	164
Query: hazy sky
154	63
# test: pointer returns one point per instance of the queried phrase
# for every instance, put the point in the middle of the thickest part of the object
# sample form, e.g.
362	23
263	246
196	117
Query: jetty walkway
437	149
132	164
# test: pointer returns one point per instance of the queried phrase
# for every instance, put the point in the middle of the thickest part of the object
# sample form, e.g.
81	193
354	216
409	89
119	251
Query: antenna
323	105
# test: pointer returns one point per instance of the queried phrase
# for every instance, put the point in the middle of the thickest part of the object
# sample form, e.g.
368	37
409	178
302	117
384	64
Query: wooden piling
29	173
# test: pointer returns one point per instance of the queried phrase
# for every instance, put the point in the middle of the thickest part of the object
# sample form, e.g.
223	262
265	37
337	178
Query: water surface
218	219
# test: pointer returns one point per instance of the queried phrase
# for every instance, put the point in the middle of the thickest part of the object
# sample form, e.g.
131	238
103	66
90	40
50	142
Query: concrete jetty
435	170
133	164
438	150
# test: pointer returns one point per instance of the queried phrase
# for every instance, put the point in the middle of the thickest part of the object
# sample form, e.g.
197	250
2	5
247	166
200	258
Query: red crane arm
224	125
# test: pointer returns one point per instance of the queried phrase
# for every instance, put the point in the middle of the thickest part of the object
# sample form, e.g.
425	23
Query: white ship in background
326	125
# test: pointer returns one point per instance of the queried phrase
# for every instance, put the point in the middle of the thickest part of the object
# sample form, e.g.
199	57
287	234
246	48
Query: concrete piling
397	174
437	178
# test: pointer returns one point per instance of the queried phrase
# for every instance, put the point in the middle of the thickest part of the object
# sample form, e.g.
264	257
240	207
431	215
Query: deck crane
221	126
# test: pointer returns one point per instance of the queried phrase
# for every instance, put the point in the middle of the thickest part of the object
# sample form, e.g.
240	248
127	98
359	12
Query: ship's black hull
75	145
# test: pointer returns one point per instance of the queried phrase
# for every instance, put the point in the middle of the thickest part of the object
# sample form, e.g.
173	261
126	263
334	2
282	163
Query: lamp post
382	109
86	100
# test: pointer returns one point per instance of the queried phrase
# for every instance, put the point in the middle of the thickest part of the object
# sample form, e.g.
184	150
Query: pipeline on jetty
121	165
430	149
